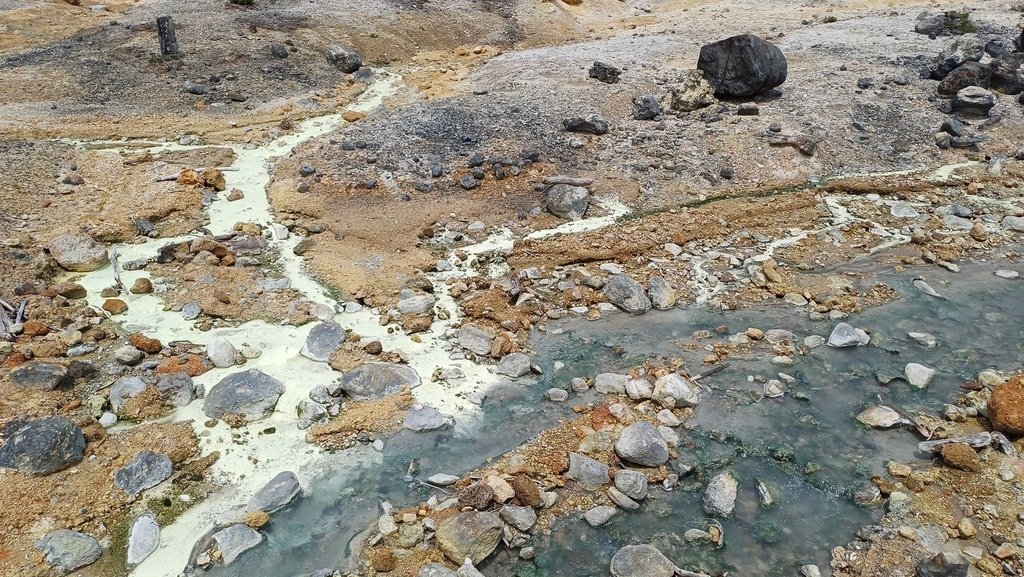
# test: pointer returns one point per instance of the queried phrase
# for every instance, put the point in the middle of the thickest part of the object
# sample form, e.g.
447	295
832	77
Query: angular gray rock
611	383
475	339
221	352
590	474
422	418
323	339
251	394
146	470
522	518
414	303
627	294
633	484
966	48
143	539
646	107
662	295
43	446
435	570
599	515
376	380
78	253
343	59
123	389
513	365
69	550
177	389
720	495
974	101
641	561
473	535
276	494
945	564
845	335
684	391
235	540
641	443
40	376
742	65
567	201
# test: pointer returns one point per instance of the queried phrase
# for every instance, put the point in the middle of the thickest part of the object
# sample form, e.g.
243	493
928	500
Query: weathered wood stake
168	40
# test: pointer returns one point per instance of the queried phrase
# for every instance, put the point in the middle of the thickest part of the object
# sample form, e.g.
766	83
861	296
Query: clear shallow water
811	453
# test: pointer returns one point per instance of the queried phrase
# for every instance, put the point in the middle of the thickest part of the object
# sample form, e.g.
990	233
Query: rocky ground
494	166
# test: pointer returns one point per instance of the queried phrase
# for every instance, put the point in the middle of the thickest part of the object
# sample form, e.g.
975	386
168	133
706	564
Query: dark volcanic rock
743	65
605	73
1008	74
146	470
967	48
646	107
43	446
943	565
41	376
343	59
590	124
967	74
376	380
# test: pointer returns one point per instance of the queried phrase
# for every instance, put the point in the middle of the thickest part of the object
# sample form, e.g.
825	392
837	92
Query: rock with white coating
662	295
522	518
611	383
422	418
685	392
250	394
145	471
513	365
924	339
475	340
720	495
642	444
641	561
277	494
845	335
918	375
235	540
435	570
416	303
442	480
221	352
880	417
322	340
376	380
143	539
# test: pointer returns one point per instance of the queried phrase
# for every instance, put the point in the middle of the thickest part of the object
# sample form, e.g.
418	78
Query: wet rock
720	495
961	456
343	59
620	499
527	492
435	570
590	474
235	540
143	539
250	394
641	561
276	494
476	495
475	340
146	470
69	550
967	74
1006	407
221	352
690	91
590	124
567	201
742	65
646	107
522	518
633	484
945	564
323	340
918	375
627	294
662	295
421	418
376	380
513	365
967	48
43	446
974	101
642	444
604	72
78	253
684	392
880	417
599	515
845	335
40	376
471	535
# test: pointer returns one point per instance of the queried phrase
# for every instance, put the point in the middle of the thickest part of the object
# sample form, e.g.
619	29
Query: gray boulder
322	341
599	515
720	495
662	295
627	294
646	107
633	484
40	376
143	539
974	101
421	418
177	389
376	380
967	48
43	446
435	570
944	564
146	470
235	540
513	365
250	394
343	59
475	339
221	352
123	389
1008	73
641	561
415	303
69	550
471	535
276	494
78	253
742	65
683	391
641	443
567	201
590	474
522	518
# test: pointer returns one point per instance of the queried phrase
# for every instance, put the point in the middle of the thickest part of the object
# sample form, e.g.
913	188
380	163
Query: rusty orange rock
144	343
115	306
192	365
35	329
1006	407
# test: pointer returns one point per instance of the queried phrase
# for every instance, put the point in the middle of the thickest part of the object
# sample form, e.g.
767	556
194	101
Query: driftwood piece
976	440
570	180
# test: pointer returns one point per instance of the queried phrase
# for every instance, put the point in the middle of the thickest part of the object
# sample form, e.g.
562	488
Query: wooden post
168	40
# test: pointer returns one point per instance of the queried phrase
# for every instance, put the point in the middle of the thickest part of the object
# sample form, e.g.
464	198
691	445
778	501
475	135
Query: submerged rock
720	495
743	65
376	380
641	443
146	470
143	539
43	446
641	561
69	550
276	494
235	540
323	339
250	394
918	375
471	535
423	418
627	294
845	335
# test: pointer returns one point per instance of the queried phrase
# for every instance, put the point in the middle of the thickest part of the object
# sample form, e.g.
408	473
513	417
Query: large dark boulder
43	446
1008	73
376	380
250	394
743	65
41	376
967	74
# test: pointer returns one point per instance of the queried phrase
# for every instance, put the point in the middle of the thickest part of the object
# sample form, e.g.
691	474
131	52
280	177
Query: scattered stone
475	340
627	294
1006	407
641	561
919	376
115	306
376	380
945	564
923	339
235	540
557	395
43	446
720	495
567	201
421	418
470	535
40	376
221	352
141	286
682	391
146	470
250	394
513	365
322	341
143	539
967	48
880	417
974	101
633	484
69	550
967	74
642	444
605	73
343	59
590	124
78	253
742	65
522	518
599	515
276	494
662	295
590	474
690	91
844	335
646	107
1007	274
